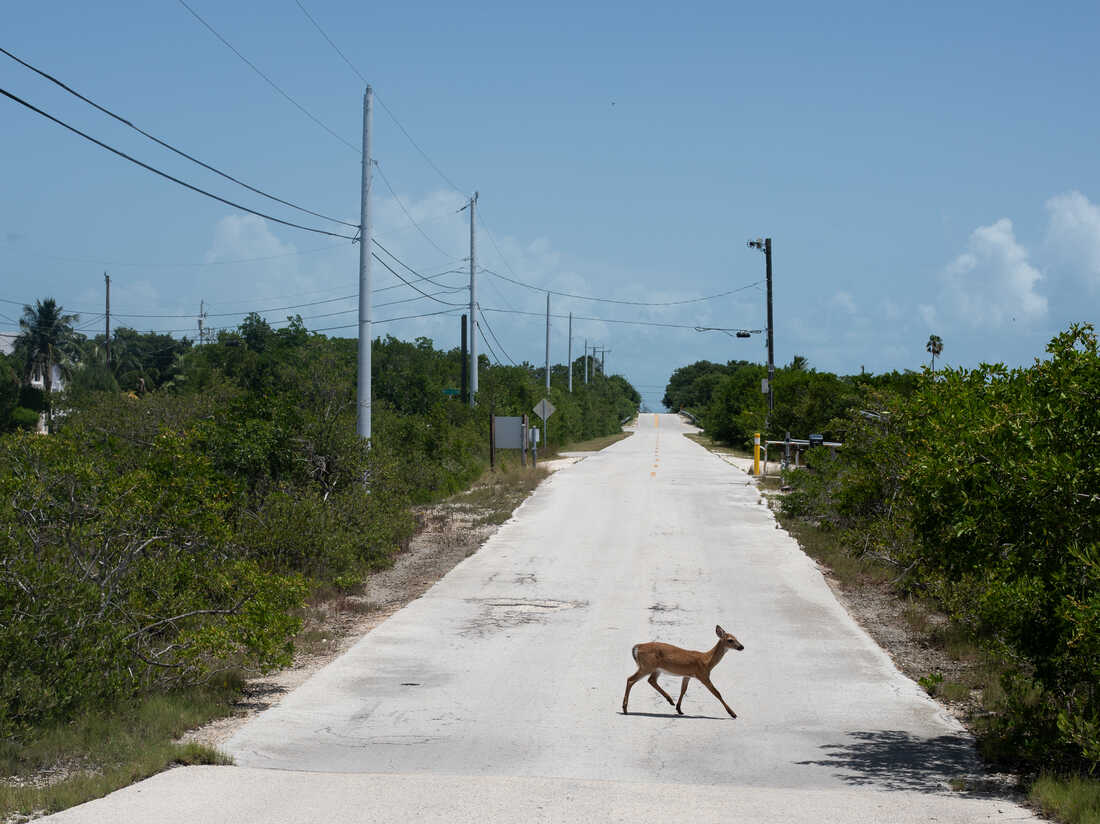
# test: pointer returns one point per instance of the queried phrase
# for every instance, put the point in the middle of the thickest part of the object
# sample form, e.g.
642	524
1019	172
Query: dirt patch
449	532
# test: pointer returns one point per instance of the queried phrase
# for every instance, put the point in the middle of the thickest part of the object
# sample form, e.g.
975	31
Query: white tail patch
634	653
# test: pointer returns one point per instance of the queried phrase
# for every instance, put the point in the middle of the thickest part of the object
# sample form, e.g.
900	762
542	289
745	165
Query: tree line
980	489
189	498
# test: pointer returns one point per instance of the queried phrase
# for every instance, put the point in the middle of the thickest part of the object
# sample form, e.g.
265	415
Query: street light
765	245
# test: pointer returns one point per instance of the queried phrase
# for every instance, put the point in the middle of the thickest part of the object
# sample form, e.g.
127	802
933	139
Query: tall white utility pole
570	361
473	304
363	392
202	320
547	345
586	361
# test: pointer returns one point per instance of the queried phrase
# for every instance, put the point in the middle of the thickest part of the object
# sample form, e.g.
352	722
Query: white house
7	346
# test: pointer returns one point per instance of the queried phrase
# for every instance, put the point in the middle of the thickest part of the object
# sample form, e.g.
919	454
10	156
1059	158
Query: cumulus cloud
1073	234
993	282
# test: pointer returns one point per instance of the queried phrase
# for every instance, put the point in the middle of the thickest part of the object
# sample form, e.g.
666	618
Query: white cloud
844	300
927	314
1073	234
992	282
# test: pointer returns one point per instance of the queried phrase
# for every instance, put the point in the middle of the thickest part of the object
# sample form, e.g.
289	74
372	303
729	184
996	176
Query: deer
655	658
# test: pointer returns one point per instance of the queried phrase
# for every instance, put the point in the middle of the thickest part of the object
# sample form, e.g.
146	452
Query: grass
1074	800
99	752
705	440
829	549
596	444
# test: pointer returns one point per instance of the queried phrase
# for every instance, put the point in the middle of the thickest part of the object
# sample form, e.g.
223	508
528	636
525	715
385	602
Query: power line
618	301
382	103
271	82
172	148
409	216
600	320
406	266
147	167
187	265
494	337
317	26
489	345
409	283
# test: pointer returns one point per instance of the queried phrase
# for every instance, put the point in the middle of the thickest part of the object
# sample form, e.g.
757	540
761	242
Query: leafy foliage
158	538
982	488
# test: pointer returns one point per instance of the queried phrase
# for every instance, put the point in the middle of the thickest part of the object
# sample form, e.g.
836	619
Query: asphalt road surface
496	696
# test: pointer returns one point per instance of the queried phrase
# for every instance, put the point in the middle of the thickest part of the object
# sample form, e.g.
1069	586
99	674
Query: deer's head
727	640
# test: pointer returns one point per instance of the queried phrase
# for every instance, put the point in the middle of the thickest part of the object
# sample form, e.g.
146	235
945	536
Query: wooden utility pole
107	280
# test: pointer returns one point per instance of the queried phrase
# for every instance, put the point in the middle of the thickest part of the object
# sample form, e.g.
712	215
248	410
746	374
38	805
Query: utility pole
107	338
465	370
473	304
586	361
547	345
363	391
570	361
202	319
766	246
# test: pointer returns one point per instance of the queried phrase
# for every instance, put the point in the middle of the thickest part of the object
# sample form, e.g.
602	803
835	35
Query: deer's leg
633	679
653	683
683	689
706	683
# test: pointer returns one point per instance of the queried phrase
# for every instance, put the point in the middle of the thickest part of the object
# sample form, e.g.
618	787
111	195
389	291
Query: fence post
756	454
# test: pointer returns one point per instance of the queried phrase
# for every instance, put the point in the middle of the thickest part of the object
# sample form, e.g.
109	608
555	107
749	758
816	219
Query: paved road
496	695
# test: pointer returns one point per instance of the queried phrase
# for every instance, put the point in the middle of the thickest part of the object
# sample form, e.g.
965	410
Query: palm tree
46	339
935	347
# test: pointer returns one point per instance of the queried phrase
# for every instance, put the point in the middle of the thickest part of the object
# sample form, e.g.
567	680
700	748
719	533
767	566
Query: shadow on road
674	715
897	760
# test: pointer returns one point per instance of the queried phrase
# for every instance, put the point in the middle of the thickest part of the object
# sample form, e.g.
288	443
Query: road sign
544	409
508	431
451	392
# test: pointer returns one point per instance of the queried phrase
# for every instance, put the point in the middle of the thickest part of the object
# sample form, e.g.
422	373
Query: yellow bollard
756	454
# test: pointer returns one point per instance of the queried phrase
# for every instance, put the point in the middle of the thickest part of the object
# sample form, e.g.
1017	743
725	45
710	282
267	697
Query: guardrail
799	445
694	418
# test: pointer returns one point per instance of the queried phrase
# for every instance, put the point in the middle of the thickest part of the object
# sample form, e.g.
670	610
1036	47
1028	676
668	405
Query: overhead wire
409	283
172	148
381	102
147	167
158	264
488	345
427	237
591	318
494	336
533	288
357	149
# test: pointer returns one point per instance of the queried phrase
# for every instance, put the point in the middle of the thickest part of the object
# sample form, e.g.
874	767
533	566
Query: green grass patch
99	752
705	440
828	548
1074	800
596	444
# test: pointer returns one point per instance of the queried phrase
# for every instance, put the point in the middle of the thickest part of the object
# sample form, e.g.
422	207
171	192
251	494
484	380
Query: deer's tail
634	653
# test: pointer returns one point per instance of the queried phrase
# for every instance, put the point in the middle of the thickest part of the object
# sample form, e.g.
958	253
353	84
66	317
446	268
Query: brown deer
655	658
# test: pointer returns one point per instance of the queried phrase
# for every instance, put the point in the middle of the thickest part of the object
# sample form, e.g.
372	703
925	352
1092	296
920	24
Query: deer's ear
719	631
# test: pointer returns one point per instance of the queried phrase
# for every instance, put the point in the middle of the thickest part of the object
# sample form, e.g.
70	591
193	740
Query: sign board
451	392
764	385
533	435
508	431
544	409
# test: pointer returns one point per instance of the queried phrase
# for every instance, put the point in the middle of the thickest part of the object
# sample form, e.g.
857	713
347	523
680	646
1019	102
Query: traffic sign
544	409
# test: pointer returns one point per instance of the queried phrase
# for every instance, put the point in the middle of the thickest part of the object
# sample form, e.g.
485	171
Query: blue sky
921	169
